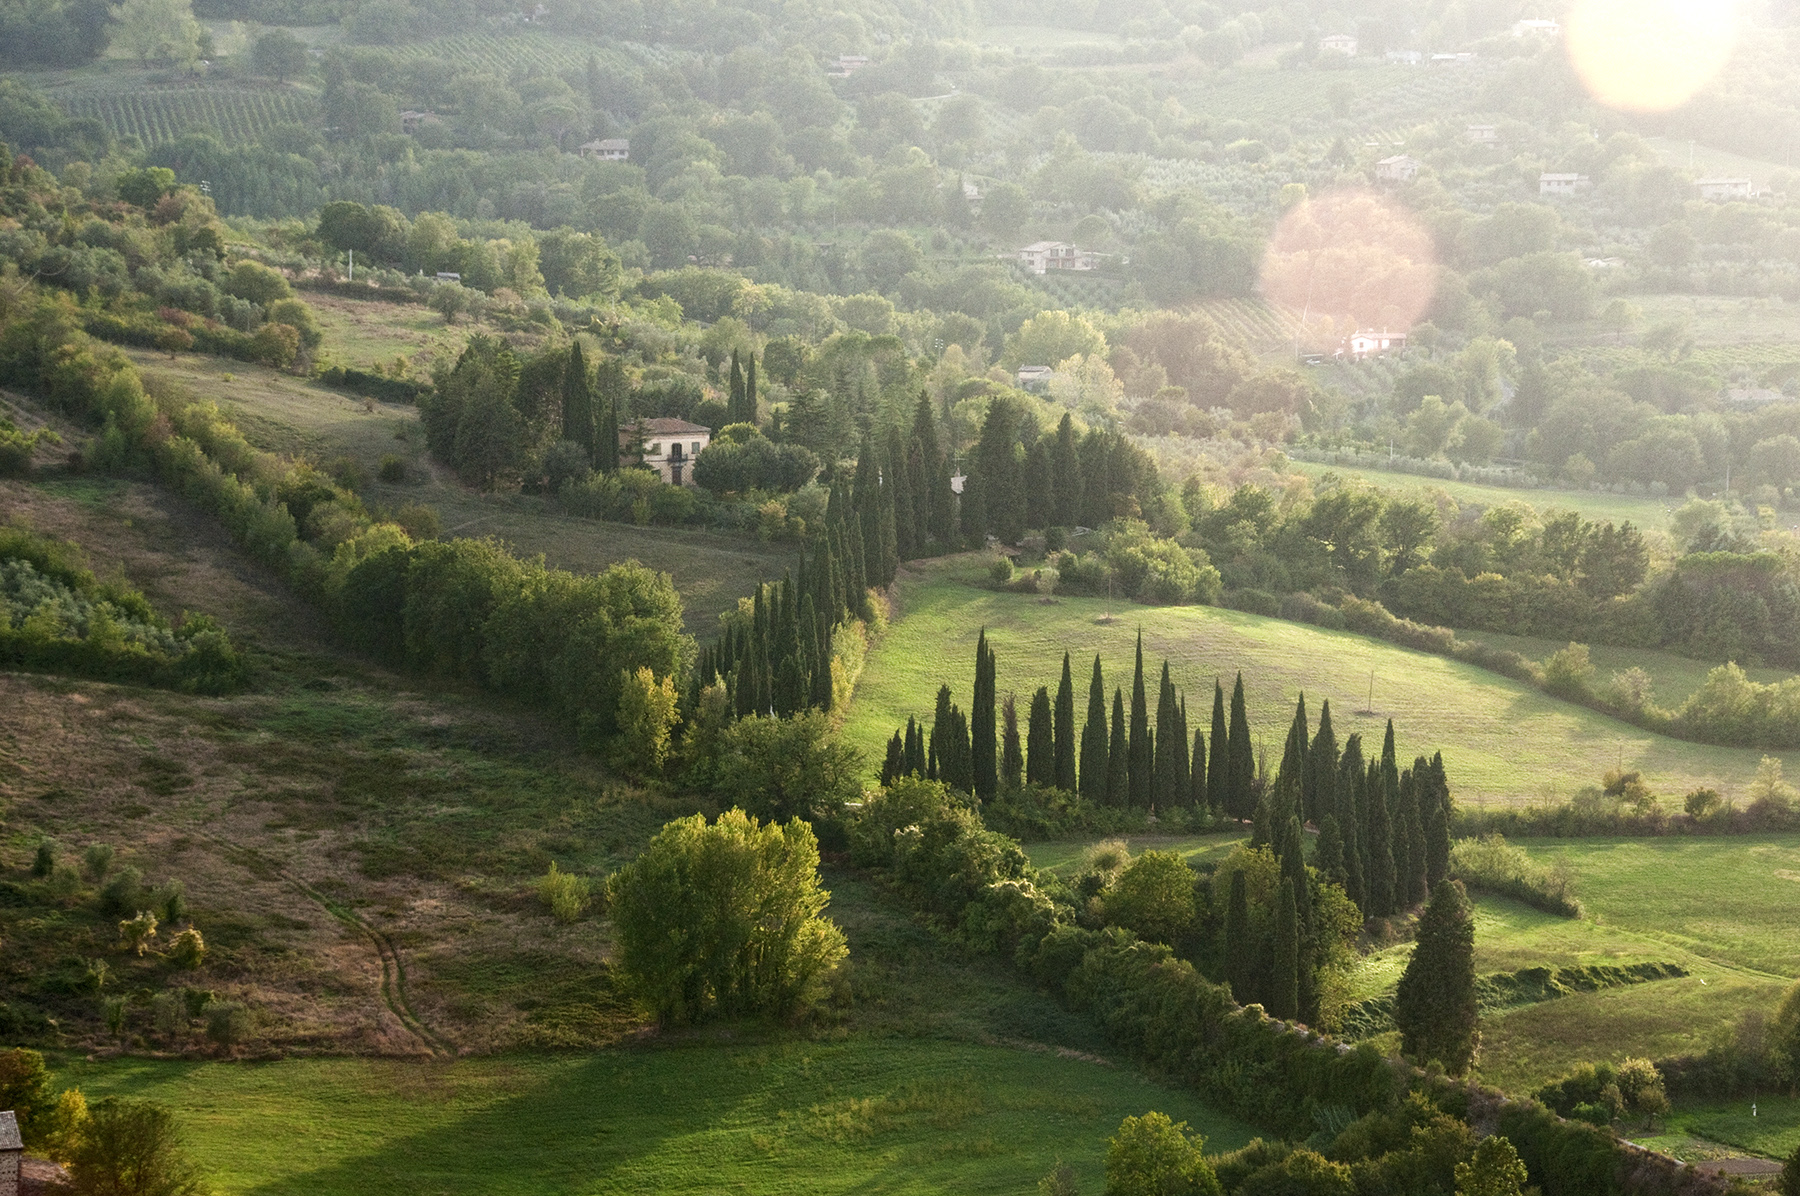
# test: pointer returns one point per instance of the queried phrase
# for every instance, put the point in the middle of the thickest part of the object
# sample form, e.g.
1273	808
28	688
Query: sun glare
1650	55
1347	260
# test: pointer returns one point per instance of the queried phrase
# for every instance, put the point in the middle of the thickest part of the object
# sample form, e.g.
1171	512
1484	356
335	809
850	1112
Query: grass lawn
1504	743
1766	1125
1066	857
861	1115
1642	510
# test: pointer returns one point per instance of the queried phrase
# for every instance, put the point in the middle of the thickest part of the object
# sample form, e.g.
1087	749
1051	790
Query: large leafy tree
725	920
1435	1005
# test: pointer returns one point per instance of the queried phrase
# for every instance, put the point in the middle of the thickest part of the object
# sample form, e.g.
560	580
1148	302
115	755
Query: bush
788	767
1493	865
1153	897
187	950
647	717
1254	602
725	920
228	1023
132	1146
392	469
564	893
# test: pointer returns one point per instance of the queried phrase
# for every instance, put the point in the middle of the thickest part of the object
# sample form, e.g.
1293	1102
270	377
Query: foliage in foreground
725	920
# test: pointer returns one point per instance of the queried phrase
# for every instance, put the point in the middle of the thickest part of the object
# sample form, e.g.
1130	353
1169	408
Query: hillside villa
668	446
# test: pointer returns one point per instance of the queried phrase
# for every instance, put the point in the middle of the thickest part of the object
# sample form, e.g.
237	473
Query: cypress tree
1240	765
1218	780
915	749
1288	781
982	736
1197	773
1040	759
1414	889
895	764
938	507
888	554
894	480
578	402
1064	778
1437	825
1349	820
940	733
1240	950
734	404
1379	826
1142	782
1435	1006
1118	756
1322	769
1170	777
1094	752
750	391
1284	965
1328	855
1012	760
611	392
1065	475
958	769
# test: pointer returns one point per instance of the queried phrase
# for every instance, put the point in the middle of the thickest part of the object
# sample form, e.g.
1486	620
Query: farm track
393	968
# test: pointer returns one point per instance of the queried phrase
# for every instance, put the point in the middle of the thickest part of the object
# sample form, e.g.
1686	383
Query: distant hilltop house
1033	376
847	65
1483	134
1563	184
1338	43
1755	396
410	120
1400	168
1369	343
1726	189
1452	59
1405	57
1045	256
1537	29
12	1155
607	149
669	447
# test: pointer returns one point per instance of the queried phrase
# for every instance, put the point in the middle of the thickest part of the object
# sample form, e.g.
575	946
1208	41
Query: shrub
25	1089
1153	897
564	893
786	767
257	283
43	861
97	861
1254	602
725	920
138	933
647	717
275	345
124	893
1001	571
227	1023
1153	1156
132	1146
1493	865
392	469
187	950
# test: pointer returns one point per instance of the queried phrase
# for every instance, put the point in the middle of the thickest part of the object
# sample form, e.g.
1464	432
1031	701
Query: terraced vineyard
1265	327
533	52
153	115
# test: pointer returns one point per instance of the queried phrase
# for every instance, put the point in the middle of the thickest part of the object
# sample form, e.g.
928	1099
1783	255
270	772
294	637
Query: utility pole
353	265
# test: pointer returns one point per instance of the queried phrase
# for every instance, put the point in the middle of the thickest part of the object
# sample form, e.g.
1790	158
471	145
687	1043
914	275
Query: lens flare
1348	260
1650	55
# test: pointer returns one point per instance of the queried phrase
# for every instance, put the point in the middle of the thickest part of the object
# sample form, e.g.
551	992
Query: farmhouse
1033	377
1369	343
1338	43
668	446
1406	57
1045	256
411	120
1562	184
847	65
1538	28
1398	169
1483	134
1721	189
607	149
12	1154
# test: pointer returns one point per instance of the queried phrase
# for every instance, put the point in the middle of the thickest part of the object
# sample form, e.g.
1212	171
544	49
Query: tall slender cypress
1435	1005
1411	794
1040	744
1350	821
1012	759
1283	997
734	403
1197	773
1288	782
982	735
940	732
1378	823
1437	823
1141	779
1240	765
1065	730
1170	779
1240	948
1118	756
749	415
1321	770
1094	744
1218	776
578	402
1328	855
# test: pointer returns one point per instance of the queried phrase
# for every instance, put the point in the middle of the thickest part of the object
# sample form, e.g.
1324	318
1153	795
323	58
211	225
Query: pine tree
1240	765
1171	745
1118	756
1197	773
1065	730
1435	1005
1012	760
1142	782
1240	950
982	745
1218	774
1040	760
1283	997
1094	750
578	402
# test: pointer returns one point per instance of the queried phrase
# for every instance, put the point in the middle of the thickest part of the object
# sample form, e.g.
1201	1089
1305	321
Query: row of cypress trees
590	406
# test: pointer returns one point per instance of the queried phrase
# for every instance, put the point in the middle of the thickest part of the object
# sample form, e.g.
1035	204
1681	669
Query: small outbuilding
608	149
1563	184
1724	189
12	1154
1338	43
1398	169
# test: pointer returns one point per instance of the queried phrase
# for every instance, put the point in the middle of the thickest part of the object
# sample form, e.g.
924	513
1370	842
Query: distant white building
1338	43
1044	256
1031	376
1755	396
1563	184
1726	189
670	446
608	149
847	65
1369	343
1400	168
1537	29
1452	59
1405	57
1483	134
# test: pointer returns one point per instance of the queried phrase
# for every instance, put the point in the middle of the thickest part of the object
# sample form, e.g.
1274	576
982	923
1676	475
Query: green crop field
281	413
1649	513
1505	743
528	52
866	1116
236	114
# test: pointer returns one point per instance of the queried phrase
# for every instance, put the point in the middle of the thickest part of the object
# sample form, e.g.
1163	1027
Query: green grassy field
1066	858
1675	676
1643	511
1504	743
288	415
861	1116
